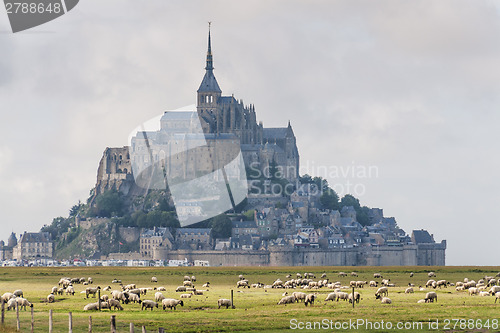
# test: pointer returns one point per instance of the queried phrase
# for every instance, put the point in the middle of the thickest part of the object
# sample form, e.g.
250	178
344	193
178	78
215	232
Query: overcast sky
409	88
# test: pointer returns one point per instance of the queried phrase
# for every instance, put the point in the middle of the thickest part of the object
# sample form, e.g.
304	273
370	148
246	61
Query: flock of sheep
306	289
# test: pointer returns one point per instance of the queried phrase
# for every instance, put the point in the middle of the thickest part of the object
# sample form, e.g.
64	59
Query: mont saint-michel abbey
191	144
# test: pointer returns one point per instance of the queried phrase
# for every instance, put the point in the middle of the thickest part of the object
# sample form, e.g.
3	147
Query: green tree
108	204
330	200
350	200
221	226
362	216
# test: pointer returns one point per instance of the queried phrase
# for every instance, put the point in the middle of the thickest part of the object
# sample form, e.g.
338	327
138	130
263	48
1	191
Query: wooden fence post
32	320
3	312
99	298
17	315
232	303
144	329
161	330
353	298
113	324
51	322
70	323
90	324
131	327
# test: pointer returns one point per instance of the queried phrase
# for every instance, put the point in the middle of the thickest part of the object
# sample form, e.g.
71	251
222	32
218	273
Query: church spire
210	65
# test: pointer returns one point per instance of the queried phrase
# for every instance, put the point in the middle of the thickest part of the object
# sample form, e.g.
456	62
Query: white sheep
11	304
54	290
193	278
91	291
331	297
421	301
386	300
377	276
134	298
409	290
373	284
180	289
154	279
171	303
497	296
493	290
113	303
91	307
18	293
431	274
185	295
147	304
7	296
473	291
70	290
206	285
161	289
51	298
187	283
484	293
356	297
310	299
159	296
224	302
382	291
299	296
287	300
342	295
430	297
243	283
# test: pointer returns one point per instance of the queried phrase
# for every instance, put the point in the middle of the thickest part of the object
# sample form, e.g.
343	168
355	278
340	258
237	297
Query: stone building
193	238
33	245
6	251
151	239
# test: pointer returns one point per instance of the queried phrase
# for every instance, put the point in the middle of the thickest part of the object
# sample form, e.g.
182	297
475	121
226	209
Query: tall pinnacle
210	65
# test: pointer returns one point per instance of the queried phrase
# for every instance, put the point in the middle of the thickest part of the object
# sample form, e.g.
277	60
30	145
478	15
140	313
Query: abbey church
185	145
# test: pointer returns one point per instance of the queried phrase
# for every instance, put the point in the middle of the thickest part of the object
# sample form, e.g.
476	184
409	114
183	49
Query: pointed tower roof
209	83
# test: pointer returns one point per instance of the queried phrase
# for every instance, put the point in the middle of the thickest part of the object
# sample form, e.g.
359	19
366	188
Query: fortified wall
380	256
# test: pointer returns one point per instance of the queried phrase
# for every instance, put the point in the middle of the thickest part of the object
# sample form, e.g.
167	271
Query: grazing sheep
91	291
497	296
7	296
299	296
23	303
18	293
473	291
180	289
241	277
409	290
484	293
357	297
354	274
147	304
154	279
224	302
91	307
493	290
342	274
143	291
431	283
135	291
421	301
442	283
242	283
161	289
431	274
187	278
331	297
342	295
104	298
385	282
159	297
206	285
310	299
116	281
193	278
411	274
382	291
187	283
51	298
287	300
386	300
60	291
54	290
70	291
134	298
198	292
11	304
171	303
113	303
323	275
190	289
377	276
430	297
186	295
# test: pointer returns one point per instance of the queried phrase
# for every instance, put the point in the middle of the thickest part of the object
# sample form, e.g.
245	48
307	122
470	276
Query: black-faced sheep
357	297
113	303
287	300
147	304
310	299
91	307
91	291
154	279
171	303
51	298
299	296
224	302
382	291
431	297
386	300
331	297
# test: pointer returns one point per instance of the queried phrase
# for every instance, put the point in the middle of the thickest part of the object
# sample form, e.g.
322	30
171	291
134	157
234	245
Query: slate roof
421	236
209	83
35	237
194	230
275	133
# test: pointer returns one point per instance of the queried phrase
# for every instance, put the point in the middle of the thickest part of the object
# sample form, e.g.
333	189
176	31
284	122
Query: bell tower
209	94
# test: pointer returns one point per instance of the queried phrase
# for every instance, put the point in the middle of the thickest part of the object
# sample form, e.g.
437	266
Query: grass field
256	309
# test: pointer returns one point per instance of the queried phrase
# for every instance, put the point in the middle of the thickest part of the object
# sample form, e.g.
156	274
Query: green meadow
256	309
